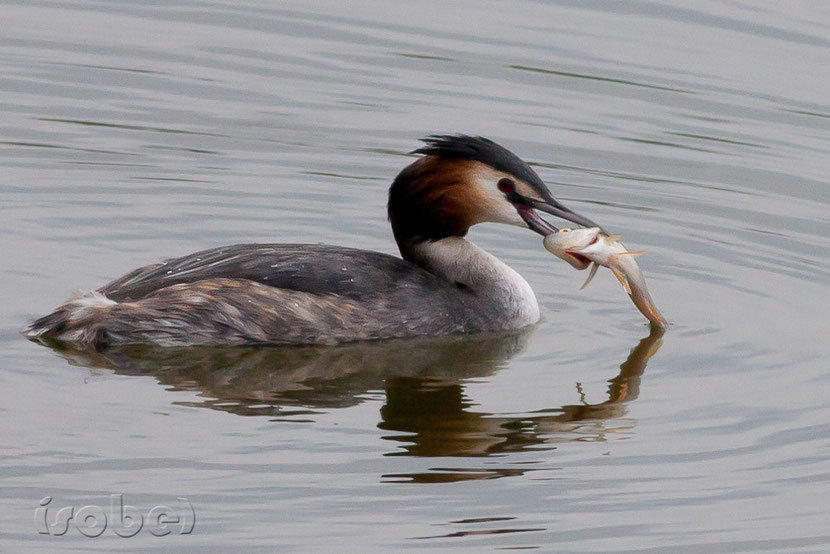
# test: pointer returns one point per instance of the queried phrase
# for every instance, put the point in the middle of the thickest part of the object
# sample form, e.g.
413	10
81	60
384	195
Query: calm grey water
134	131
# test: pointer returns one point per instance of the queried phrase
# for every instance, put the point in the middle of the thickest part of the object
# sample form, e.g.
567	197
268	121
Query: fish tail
657	318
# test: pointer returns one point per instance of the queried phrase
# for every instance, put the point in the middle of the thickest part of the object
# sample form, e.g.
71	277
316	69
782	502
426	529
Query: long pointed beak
554	207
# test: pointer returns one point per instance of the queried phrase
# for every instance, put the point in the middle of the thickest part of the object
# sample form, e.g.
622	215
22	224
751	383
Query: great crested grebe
317	294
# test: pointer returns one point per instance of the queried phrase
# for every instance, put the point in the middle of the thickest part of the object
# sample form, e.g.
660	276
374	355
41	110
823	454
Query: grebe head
461	181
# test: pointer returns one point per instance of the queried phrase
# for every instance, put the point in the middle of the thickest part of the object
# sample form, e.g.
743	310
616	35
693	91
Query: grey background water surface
134	131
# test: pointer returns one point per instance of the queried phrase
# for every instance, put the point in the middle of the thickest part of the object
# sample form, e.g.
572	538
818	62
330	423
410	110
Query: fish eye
564	230
505	185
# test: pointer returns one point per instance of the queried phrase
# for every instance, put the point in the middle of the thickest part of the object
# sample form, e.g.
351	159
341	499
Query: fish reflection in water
423	381
436	417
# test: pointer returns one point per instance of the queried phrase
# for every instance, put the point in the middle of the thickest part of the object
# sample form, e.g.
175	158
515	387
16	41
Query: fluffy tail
78	320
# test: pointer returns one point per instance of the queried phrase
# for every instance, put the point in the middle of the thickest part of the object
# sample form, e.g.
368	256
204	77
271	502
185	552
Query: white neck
494	282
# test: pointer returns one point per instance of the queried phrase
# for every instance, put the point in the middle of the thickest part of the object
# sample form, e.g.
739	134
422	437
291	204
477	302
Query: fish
583	247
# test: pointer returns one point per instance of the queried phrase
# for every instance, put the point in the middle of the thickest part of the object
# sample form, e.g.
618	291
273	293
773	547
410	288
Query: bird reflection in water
423	380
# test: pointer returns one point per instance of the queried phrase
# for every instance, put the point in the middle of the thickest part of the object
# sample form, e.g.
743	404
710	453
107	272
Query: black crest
482	150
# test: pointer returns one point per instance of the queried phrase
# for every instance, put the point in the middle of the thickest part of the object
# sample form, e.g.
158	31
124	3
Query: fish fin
631	253
615	237
623	281
590	275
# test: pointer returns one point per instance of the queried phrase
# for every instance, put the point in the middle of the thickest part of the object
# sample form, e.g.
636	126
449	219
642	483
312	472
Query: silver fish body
577	245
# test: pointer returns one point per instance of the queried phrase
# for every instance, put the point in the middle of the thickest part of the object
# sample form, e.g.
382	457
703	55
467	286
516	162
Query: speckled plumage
269	294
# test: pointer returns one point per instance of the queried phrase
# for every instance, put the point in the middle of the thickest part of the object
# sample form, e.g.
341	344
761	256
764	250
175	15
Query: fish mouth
576	253
582	260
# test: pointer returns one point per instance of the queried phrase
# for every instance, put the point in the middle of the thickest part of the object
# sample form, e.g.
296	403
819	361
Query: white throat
494	282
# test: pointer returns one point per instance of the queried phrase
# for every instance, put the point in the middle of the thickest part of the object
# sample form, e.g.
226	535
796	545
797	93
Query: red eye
505	185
